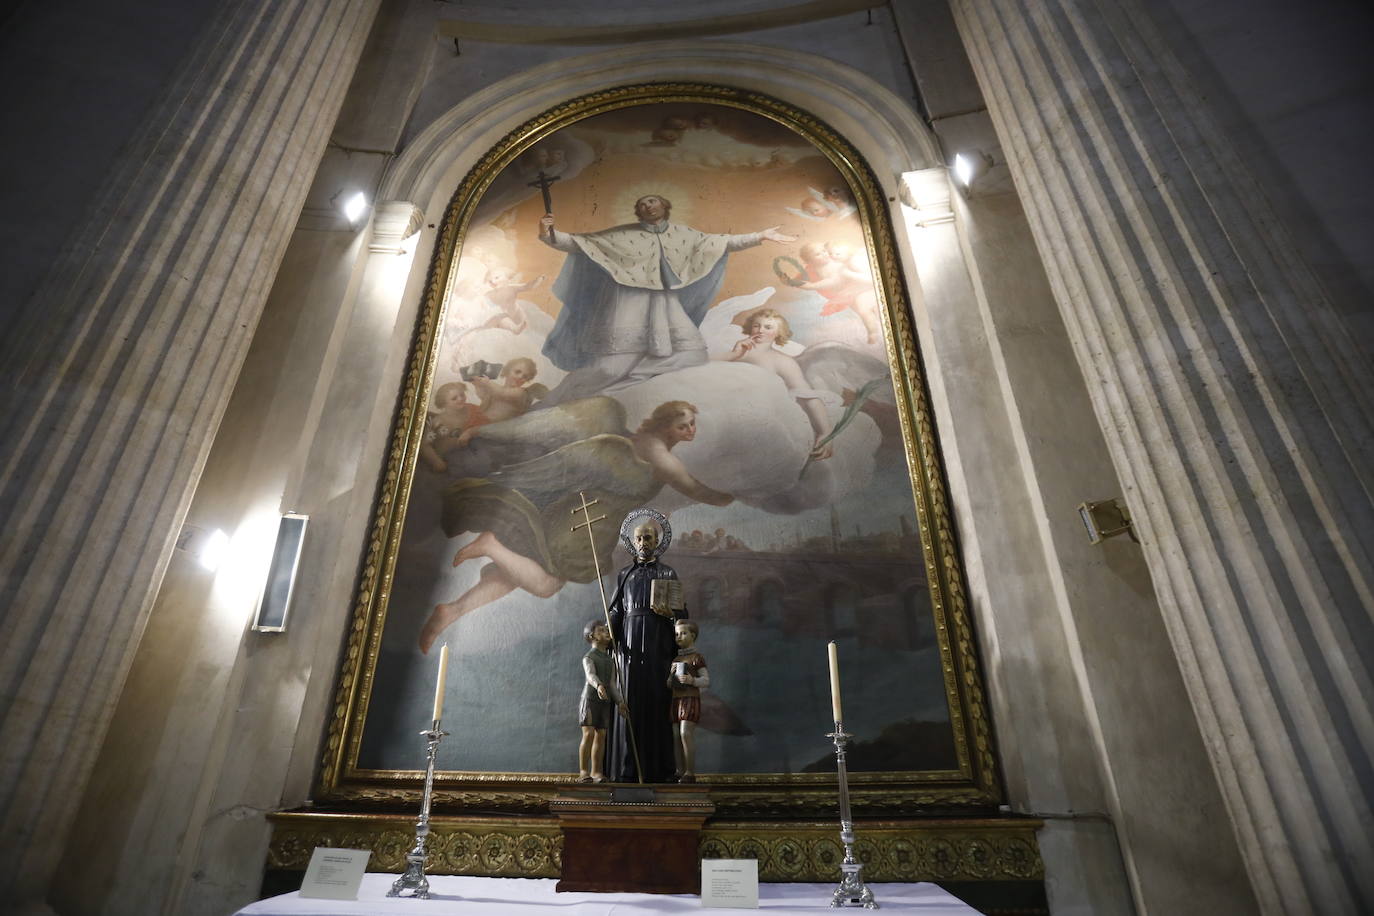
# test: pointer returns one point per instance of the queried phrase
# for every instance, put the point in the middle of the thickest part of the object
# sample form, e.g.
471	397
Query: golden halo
623	204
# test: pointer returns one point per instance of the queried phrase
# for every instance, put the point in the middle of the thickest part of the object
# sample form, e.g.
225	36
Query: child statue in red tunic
688	675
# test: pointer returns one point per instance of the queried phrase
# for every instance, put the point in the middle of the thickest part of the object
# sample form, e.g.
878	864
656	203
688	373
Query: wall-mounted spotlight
963	169
1106	518
275	603
207	545
969	166
354	206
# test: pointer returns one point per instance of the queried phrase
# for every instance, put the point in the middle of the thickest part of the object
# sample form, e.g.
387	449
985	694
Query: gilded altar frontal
684	298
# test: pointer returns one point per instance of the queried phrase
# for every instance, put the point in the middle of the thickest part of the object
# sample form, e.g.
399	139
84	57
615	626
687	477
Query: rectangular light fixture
963	169
1105	518
355	206
275	602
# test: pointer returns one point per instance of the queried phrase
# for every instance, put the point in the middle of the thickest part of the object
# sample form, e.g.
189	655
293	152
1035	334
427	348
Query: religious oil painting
673	301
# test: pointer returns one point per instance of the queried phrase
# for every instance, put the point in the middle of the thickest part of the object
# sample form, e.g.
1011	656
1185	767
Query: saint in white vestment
633	297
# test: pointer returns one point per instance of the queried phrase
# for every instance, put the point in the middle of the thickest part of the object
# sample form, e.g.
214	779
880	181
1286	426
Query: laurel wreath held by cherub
789	279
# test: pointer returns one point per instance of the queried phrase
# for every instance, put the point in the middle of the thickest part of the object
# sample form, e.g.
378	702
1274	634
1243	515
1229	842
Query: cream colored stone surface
1236	411
1161	795
1044	735
121	393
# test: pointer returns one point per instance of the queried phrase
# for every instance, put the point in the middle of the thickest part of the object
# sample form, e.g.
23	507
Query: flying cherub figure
840	200
836	272
515	394
550	161
832	204
812	208
449	425
502	295
763	329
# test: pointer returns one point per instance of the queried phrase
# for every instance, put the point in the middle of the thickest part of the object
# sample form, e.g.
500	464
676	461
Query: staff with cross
587	523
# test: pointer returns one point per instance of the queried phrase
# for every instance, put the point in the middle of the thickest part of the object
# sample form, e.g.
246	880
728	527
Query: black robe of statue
646	649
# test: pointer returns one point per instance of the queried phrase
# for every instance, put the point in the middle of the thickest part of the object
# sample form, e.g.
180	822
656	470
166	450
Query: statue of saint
647	602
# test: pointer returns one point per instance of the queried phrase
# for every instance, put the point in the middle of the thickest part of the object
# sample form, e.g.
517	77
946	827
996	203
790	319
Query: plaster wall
82	77
269	736
867	43
1081	623
187	678
1043	734
1160	792
1166	261
177	791
1294	85
120	372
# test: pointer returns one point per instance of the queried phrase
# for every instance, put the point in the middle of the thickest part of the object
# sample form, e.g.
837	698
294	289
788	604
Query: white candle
439	686
835	680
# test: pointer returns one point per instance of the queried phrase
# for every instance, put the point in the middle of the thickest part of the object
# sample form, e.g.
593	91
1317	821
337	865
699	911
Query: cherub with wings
503	288
515	394
764	329
819	206
835	271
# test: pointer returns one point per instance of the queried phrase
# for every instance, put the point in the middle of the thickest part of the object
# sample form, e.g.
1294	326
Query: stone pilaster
393	221
116	384
1237	410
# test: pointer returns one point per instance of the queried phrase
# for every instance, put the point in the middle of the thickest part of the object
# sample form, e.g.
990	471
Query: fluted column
1238	414
116	384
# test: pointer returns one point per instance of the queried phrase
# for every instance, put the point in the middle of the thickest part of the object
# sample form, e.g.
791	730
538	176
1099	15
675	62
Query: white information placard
334	874
730	883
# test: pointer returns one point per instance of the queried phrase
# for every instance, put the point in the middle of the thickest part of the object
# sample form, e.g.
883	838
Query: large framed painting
683	298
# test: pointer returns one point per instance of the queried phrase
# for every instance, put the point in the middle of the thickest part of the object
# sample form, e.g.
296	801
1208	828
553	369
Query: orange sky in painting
720	199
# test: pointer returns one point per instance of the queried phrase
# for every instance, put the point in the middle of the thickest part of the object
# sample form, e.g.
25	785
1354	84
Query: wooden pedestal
640	839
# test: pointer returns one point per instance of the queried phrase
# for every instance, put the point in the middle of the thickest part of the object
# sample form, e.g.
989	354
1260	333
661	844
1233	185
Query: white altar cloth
456	894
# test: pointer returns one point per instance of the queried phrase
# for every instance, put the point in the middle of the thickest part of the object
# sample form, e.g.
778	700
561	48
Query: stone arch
879	124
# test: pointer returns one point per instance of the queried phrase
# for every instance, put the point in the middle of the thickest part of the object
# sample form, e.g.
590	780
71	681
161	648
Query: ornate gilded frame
973	785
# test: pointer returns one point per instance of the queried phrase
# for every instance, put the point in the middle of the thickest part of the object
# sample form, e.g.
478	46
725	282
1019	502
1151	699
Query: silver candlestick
413	879
852	890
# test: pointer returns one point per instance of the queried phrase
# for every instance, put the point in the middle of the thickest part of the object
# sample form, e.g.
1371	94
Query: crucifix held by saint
543	183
